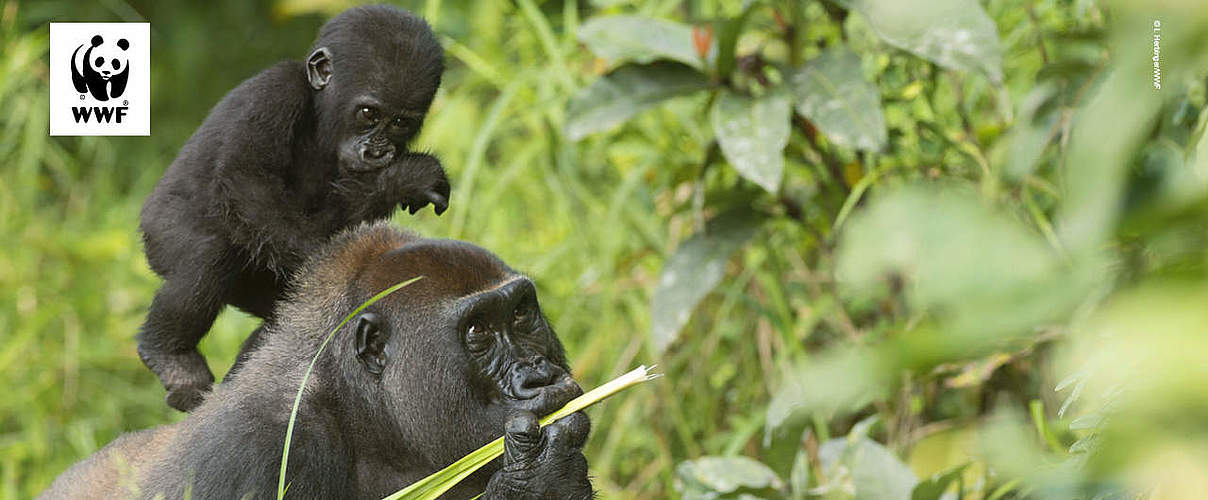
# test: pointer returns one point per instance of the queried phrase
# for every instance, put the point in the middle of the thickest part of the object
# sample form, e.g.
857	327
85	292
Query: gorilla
286	160
409	385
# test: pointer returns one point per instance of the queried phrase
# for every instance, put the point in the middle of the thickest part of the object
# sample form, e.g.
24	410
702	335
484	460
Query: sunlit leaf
696	267
752	133
875	473
831	91
707	477
956	34
625	92
639	39
808	387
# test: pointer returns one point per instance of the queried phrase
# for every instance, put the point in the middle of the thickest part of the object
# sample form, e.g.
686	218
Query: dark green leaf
933	488
830	90
697	266
752	133
625	92
640	39
956	34
727	39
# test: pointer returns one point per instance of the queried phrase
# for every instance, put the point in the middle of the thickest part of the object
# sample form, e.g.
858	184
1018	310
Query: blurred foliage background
881	249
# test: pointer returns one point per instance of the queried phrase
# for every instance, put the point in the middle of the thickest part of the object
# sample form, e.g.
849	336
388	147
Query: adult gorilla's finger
569	432
521	438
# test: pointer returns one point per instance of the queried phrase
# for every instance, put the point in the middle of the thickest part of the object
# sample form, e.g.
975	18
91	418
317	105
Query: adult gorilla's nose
541	386
533	375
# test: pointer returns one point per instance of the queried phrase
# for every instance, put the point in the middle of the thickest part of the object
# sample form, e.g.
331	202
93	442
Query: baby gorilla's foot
186	376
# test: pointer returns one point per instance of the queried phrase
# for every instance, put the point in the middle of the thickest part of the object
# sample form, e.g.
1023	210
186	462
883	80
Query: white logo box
76	112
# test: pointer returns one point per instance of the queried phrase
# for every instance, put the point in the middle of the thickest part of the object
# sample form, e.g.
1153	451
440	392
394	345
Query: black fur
401	391
283	162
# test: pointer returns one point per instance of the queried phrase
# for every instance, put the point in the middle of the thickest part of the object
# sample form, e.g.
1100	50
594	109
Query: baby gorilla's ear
123	44
318	68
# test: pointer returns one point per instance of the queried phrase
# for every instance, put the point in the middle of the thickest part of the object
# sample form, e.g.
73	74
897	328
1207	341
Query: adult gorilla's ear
371	343
318	68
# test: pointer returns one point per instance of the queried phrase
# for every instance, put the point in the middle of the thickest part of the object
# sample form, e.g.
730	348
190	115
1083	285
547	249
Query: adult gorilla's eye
398	124
523	313
478	336
368	115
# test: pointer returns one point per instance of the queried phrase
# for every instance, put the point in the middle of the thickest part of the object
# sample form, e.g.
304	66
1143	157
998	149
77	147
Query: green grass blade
293	414
433	486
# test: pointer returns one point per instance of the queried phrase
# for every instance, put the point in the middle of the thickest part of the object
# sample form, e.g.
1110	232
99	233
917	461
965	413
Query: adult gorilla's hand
543	463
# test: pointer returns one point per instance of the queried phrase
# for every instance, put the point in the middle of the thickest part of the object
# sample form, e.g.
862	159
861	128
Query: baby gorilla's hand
541	463
418	179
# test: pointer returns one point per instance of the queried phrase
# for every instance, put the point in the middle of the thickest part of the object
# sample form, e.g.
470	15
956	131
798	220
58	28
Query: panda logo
102	69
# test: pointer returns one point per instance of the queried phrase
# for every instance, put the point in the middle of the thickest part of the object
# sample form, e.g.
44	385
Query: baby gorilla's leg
181	313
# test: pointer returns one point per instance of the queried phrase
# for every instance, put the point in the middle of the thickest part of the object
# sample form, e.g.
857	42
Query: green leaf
874	472
752	133
696	267
955	34
830	90
980	271
711	477
933	488
625	92
727	39
639	39
807	387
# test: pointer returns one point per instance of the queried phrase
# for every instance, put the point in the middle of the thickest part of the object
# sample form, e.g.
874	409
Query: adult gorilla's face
473	331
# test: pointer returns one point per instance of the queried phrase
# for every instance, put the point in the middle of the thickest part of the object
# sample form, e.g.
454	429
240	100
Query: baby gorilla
409	385
286	160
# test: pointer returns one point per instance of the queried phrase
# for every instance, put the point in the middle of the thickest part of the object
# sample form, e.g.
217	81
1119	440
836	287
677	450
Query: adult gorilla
411	384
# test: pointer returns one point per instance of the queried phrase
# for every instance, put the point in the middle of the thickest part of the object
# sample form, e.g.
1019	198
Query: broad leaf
697	266
981	272
639	39
625	92
873	471
712	477
830	90
808	387
956	34
752	133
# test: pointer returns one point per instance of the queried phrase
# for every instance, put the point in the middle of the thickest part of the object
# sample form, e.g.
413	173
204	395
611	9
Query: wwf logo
102	69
